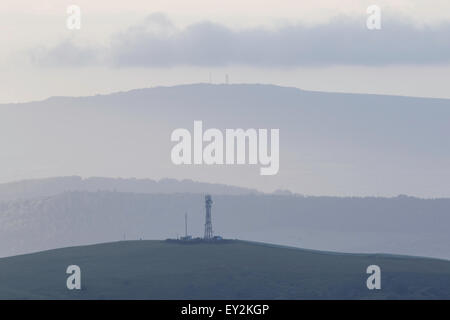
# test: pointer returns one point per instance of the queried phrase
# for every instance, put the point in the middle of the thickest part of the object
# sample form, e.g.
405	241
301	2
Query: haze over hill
67	217
330	143
307	188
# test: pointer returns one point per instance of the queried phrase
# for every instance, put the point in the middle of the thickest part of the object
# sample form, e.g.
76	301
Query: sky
321	45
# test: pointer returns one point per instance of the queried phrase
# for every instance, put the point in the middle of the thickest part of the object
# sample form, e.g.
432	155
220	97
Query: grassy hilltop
231	270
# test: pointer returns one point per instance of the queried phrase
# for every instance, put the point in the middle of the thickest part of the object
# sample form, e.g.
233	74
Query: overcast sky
316	45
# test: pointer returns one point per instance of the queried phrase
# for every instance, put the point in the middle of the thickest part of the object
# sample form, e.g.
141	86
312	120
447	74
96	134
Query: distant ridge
209	86
328	141
35	188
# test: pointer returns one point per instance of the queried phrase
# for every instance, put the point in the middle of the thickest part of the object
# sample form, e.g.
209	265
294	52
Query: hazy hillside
400	225
344	144
52	186
236	270
330	143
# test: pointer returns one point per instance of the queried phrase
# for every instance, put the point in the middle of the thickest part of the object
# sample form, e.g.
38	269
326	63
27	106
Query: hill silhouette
35	188
232	270
330	143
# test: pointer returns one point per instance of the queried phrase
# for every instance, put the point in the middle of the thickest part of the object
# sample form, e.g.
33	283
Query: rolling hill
35	188
230	270
330	143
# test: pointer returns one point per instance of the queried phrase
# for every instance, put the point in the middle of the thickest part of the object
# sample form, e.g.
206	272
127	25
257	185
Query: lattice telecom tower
208	223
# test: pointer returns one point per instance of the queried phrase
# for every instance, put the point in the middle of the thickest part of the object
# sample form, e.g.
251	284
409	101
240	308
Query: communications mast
208	223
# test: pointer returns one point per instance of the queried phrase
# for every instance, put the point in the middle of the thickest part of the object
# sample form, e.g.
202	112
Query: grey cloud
66	53
156	42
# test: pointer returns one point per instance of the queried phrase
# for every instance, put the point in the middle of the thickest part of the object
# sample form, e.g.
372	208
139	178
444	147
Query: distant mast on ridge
208	222
209	234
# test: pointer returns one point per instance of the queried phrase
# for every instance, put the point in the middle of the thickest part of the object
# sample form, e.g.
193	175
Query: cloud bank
156	42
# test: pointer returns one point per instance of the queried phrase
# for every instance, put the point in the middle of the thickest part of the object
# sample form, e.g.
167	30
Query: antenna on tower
208	223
